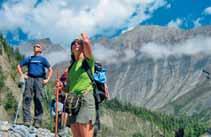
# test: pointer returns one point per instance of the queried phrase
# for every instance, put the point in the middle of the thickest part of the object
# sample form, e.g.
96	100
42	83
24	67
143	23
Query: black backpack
98	80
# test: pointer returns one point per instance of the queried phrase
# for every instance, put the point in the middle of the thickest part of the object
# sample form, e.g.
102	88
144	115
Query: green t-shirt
78	79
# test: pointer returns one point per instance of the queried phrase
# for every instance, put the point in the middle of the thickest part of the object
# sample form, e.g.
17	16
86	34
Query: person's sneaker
27	123
37	124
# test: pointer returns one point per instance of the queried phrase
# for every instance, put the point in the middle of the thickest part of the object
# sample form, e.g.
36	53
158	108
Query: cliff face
165	71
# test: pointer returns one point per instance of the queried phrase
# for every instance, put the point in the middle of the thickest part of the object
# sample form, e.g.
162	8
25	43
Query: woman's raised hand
85	38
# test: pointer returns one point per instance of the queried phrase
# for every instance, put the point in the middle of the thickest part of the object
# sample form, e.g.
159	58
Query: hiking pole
57	99
21	85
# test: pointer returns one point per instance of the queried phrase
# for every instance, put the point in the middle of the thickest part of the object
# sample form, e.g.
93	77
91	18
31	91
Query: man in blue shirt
35	80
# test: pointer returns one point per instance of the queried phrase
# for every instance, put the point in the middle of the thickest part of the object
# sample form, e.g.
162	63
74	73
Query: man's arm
19	70
87	46
50	72
23	63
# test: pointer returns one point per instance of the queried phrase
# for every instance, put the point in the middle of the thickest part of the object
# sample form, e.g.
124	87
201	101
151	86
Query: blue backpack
98	79
100	73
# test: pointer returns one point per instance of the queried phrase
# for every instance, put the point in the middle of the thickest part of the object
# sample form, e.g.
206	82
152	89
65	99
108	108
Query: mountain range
159	68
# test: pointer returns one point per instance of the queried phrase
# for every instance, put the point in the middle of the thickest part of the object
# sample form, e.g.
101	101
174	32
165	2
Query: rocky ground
12	130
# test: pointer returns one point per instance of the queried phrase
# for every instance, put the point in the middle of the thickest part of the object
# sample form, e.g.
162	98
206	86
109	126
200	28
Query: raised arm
87	46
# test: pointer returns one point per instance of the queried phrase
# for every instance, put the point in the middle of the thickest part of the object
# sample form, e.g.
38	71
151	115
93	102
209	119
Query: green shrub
137	135
14	56
2	84
18	56
168	123
10	103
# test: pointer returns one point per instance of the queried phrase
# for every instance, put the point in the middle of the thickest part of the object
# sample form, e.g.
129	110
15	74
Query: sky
64	20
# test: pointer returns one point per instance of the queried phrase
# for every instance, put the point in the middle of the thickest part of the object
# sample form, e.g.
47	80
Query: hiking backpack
98	80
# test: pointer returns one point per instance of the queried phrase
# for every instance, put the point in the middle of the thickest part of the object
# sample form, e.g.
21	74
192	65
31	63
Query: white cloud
128	54
207	11
197	22
57	57
13	16
176	23
63	20
193	46
150	6
189	47
111	56
157	4
168	6
104	54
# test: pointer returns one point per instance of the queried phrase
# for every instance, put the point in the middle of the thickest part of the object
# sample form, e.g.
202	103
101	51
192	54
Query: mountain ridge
158	83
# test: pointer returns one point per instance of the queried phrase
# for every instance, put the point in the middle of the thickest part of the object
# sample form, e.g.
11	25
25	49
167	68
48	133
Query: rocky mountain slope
159	68
164	72
8	87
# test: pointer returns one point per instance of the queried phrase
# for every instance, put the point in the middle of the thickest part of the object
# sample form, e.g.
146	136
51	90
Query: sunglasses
37	46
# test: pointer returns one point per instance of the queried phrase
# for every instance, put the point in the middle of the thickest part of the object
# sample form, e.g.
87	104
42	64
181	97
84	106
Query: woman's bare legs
86	130
75	130
82	130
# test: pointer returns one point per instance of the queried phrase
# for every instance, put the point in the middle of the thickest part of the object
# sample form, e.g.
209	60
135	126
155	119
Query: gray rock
9	130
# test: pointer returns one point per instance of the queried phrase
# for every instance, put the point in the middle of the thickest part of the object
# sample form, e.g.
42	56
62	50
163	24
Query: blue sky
189	11
64	20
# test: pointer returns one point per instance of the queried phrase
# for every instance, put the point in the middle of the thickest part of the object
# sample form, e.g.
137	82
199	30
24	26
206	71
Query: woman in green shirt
79	84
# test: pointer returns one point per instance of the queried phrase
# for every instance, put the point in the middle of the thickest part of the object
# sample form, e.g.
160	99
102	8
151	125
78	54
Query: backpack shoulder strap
71	65
87	68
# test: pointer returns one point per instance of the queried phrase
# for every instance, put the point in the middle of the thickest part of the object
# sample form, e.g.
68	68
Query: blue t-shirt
36	65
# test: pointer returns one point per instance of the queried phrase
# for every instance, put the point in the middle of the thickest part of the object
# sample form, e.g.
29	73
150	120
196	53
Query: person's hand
107	92
24	76
45	81
85	38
